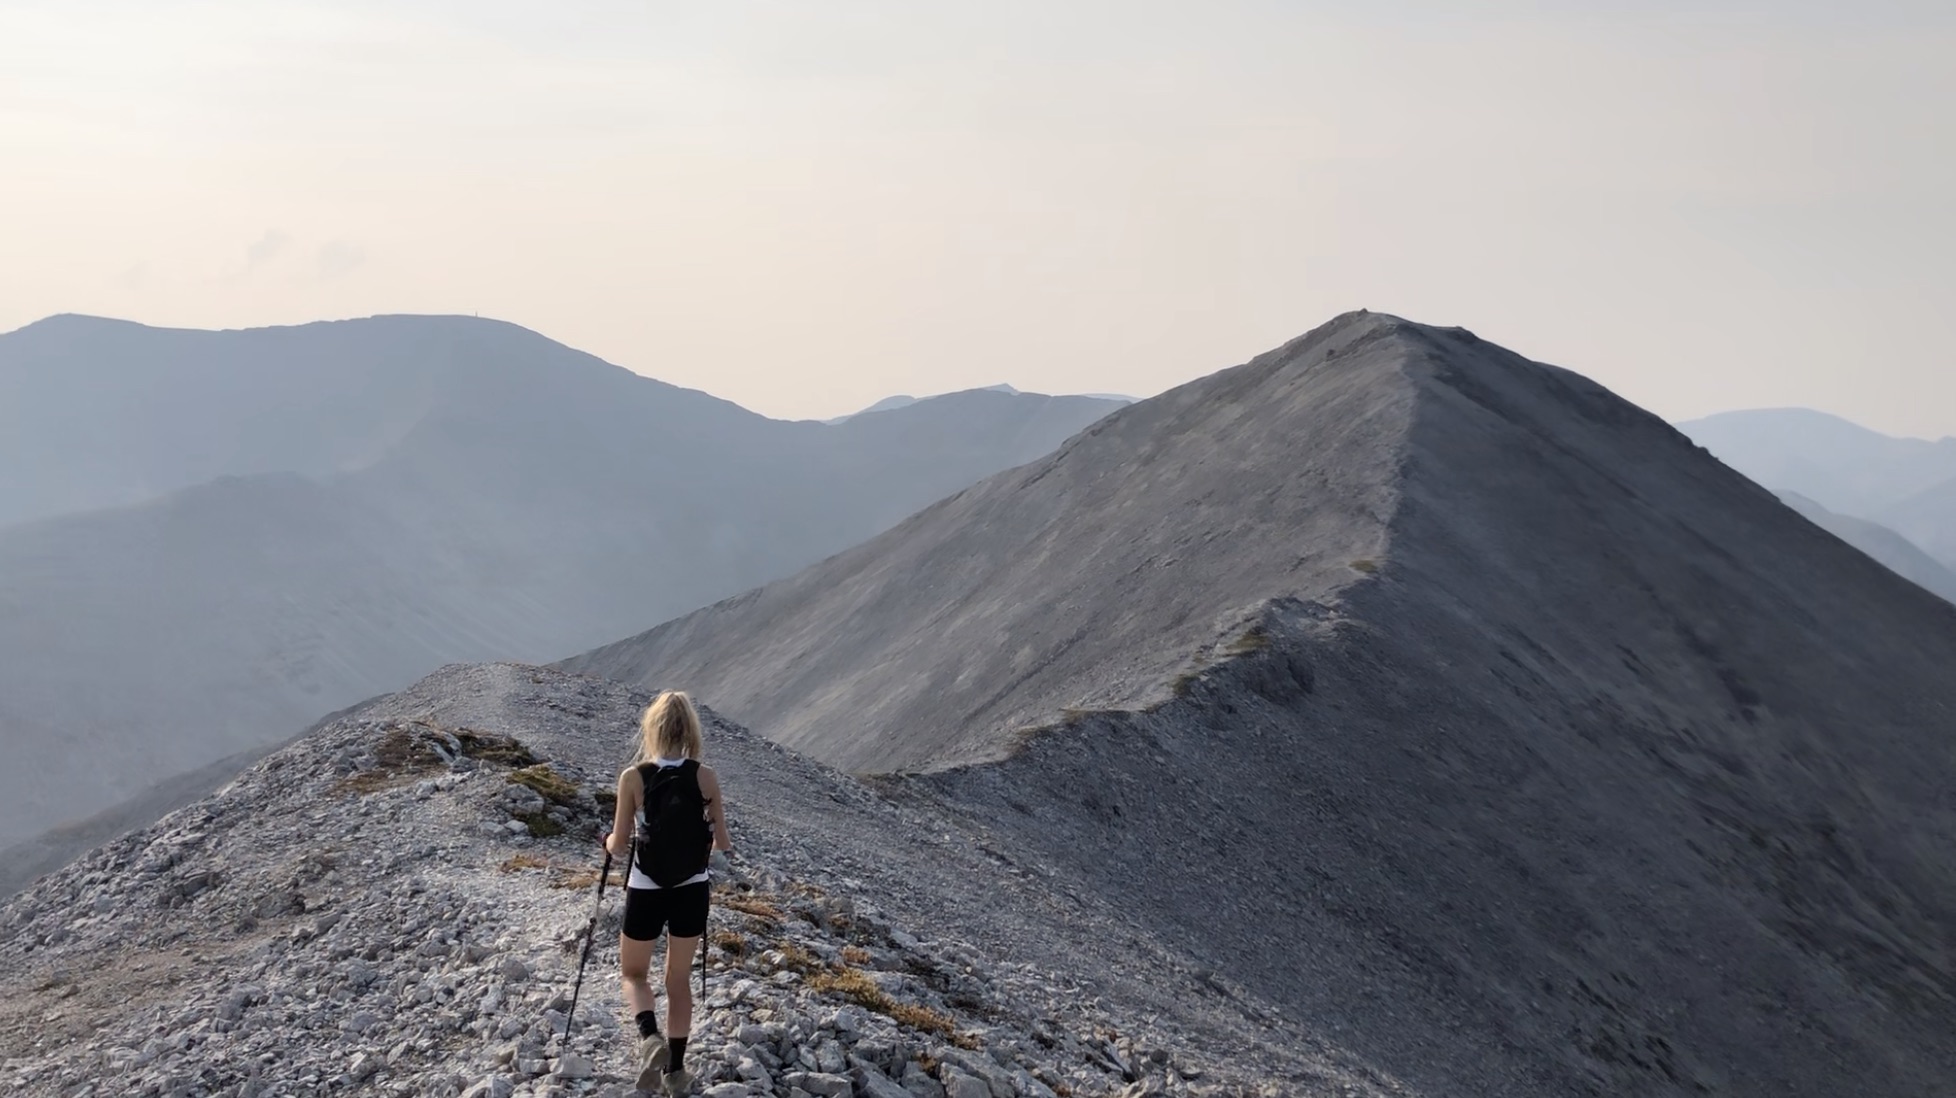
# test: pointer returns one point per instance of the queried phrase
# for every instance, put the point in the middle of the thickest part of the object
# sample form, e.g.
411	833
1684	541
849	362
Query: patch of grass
731	942
1255	640
400	759
517	862
756	907
856	986
541	825
795	957
577	880
489	747
1184	682
1366	565
855	955
549	784
923	1018
606	800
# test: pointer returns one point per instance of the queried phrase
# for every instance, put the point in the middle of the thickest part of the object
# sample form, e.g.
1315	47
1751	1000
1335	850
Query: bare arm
630	788
716	809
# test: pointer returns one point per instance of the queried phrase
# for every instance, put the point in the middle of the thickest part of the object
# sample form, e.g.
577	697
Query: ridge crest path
359	914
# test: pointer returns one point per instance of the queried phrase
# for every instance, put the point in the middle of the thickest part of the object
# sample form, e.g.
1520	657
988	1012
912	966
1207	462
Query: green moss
1366	565
1255	640
401	758
541	826
549	784
505	750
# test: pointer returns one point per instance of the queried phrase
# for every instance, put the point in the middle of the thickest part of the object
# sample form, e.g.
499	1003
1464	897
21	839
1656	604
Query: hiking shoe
679	1082
652	1057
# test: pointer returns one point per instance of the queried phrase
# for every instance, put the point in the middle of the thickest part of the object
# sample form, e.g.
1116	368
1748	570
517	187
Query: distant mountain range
212	538
904	401
1896	489
1890	548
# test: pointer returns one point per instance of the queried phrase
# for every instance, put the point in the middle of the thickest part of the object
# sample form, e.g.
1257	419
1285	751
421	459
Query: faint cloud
337	257
267	249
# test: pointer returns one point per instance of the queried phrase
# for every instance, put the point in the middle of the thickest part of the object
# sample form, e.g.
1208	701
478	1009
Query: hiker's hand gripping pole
590	935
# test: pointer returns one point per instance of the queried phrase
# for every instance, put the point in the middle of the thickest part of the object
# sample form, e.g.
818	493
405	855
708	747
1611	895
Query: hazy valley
383	497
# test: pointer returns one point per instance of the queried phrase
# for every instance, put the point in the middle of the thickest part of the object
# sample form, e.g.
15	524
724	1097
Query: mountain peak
1298	446
1396	668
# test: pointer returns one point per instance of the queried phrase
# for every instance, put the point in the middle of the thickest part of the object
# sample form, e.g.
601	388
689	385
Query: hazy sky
805	206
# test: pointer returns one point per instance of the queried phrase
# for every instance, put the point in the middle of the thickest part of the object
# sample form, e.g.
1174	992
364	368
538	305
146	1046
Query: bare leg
636	963
679	993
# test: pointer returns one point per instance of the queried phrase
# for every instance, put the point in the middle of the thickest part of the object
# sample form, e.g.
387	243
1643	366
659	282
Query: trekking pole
590	935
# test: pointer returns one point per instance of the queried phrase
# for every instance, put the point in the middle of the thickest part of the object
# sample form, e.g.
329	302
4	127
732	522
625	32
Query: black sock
678	1046
648	1023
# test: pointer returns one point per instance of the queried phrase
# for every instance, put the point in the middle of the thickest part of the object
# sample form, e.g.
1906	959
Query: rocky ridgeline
392	907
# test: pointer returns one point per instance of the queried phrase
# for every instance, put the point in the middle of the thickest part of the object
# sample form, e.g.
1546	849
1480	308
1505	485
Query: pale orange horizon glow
804	208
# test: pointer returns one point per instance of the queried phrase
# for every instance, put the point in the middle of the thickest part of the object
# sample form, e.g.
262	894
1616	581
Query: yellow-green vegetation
799	959
541	825
1256	639
927	1020
855	955
1366	565
489	747
754	906
606	800
408	752
518	862
400	759
856	986
731	942
549	784
582	878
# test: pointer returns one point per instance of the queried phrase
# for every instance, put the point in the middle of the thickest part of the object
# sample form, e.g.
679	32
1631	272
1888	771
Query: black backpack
677	840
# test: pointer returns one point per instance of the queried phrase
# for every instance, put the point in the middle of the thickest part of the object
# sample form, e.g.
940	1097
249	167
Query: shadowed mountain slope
1084	581
498	495
1488	726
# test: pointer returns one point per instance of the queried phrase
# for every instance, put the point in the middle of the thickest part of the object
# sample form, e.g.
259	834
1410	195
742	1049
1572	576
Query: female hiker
672	805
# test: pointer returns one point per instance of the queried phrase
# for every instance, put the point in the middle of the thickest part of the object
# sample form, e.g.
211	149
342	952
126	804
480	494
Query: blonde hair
670	729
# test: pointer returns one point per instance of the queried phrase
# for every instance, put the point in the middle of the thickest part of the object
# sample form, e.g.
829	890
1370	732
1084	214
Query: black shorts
651	911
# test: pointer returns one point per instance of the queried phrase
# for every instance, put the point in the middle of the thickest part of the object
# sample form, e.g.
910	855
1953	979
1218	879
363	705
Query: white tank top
640	880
